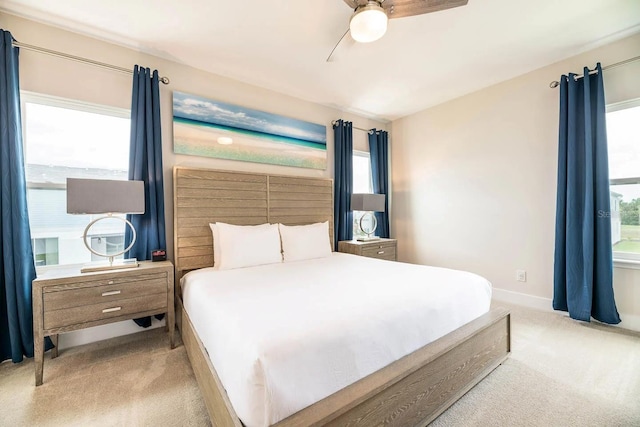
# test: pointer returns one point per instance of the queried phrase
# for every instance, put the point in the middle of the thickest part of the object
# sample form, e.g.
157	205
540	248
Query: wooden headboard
203	196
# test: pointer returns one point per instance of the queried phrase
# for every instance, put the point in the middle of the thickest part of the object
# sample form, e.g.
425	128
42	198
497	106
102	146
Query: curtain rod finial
165	80
554	84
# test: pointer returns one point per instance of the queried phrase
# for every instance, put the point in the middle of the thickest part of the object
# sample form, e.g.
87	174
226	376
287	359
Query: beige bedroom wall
67	79
475	180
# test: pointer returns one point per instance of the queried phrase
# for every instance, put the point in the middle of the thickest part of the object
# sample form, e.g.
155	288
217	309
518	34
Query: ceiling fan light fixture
368	22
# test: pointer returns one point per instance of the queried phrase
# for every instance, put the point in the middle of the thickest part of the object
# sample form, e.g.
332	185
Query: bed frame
413	390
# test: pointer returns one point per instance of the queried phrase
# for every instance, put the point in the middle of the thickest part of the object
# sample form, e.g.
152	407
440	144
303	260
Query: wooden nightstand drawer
63	296
106	310
382	252
381	249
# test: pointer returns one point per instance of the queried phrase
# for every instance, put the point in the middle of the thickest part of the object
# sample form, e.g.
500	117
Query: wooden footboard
215	396
412	391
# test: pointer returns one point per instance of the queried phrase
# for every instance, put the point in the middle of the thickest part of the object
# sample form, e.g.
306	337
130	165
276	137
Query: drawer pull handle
108	294
111	310
380	252
110	282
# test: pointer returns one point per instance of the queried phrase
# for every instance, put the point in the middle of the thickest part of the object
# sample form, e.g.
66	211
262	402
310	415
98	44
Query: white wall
59	77
475	180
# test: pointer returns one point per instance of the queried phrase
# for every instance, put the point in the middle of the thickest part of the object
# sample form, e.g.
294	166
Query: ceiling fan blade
331	57
402	8
354	3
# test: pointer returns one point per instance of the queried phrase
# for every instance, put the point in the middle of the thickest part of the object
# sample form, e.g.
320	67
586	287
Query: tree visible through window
67	139
623	137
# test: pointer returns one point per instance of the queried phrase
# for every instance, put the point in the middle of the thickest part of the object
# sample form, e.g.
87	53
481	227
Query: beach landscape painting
204	127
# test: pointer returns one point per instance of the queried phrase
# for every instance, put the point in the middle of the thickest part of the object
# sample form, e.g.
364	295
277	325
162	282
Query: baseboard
526	300
629	321
103	332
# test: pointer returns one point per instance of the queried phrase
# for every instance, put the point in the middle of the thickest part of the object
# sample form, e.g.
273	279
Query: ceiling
282	45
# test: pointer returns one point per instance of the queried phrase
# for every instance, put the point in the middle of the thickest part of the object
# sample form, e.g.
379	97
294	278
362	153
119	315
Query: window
361	184
362	172
67	139
45	251
107	244
623	137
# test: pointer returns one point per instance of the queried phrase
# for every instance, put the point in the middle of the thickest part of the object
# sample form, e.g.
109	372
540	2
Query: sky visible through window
361	184
361	173
72	138
623	138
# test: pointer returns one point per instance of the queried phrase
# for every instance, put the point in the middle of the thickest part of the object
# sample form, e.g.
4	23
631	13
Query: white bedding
286	335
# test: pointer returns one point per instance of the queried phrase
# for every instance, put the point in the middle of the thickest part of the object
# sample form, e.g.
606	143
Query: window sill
626	263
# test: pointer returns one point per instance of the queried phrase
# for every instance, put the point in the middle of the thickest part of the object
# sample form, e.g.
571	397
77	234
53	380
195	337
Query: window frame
70	104
624	259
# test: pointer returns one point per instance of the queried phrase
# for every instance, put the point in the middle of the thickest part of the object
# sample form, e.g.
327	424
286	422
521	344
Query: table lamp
102	196
369	203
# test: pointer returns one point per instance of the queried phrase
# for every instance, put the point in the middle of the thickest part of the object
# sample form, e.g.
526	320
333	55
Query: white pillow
216	241
247	245
301	242
216	245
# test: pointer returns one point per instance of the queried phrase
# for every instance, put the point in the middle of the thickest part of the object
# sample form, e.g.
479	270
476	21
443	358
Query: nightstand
381	248
65	300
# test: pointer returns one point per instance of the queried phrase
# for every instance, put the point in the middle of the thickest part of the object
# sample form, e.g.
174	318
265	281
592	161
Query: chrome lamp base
369	233
106	265
112	263
367	238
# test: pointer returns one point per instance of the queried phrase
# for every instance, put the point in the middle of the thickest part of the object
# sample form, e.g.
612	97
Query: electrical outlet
521	275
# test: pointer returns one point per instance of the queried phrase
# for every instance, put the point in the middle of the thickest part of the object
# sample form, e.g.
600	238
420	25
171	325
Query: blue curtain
583	264
343	182
379	152
16	255
145	164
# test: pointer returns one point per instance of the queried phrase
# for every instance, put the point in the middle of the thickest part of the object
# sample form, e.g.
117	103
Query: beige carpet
133	380
560	373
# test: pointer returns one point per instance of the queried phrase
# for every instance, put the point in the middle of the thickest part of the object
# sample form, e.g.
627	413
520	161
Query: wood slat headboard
203	196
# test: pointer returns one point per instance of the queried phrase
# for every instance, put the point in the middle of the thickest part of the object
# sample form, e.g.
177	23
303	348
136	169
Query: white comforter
284	336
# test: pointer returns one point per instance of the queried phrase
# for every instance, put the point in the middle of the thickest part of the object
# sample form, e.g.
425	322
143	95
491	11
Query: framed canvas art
204	127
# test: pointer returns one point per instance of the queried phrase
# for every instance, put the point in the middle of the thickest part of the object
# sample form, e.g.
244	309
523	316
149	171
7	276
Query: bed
407	389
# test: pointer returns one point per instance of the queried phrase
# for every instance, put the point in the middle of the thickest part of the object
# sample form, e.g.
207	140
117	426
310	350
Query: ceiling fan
369	20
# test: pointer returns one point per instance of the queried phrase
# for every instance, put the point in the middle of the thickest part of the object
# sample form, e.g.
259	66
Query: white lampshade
368	23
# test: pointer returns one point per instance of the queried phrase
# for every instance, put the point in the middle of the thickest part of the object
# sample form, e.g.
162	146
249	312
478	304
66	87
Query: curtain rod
369	131
556	83
63	55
